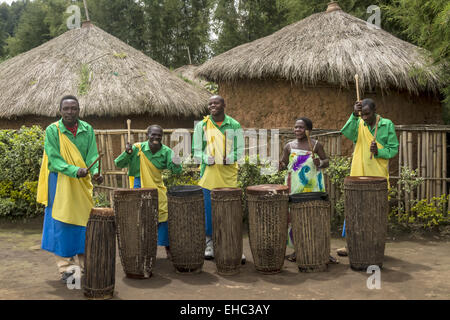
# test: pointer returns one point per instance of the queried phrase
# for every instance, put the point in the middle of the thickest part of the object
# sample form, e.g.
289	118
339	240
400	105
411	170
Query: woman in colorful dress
304	158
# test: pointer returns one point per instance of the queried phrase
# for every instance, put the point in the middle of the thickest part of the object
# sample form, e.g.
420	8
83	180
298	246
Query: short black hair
307	121
68	97
368	102
154	126
218	97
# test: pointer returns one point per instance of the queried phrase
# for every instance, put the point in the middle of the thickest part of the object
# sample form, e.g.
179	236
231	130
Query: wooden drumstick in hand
129	130
357	90
375	135
307	132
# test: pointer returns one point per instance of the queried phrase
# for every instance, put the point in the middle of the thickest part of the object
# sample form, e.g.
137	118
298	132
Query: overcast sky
7	1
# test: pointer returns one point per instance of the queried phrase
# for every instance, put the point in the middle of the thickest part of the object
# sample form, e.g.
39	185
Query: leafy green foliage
425	214
212	87
250	174
101	200
426	24
190	175
83	86
338	169
19	171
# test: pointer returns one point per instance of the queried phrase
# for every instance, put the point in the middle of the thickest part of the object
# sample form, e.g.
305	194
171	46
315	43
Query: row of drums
134	221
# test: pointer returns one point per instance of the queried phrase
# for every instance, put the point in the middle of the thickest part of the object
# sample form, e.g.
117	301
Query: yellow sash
362	165
151	177
73	198
218	175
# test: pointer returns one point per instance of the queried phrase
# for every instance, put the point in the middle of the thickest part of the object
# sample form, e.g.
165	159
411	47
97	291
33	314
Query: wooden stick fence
421	147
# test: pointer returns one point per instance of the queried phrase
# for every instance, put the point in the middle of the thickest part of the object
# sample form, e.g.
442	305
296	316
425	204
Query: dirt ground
413	269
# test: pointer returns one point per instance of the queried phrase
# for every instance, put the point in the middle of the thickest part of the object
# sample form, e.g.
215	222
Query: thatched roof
328	47
109	77
188	72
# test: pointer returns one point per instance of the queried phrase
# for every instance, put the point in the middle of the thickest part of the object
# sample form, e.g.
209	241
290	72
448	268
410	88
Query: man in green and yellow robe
370	156
145	162
218	144
65	186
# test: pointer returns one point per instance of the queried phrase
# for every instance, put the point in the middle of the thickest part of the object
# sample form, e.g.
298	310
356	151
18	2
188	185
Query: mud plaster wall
276	104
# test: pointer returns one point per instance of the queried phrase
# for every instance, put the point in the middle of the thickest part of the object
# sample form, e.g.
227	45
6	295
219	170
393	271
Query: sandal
333	260
291	257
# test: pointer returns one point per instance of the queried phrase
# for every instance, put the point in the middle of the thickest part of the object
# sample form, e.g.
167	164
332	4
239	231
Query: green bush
249	174
424	214
20	163
190	175
338	169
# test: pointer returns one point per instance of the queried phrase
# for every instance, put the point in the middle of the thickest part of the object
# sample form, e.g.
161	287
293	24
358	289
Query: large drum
186	228
366	210
226	211
137	230
310	220
100	254
268	225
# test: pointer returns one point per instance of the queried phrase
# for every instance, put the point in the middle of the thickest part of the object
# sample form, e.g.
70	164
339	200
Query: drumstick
309	141
98	158
357	90
129	131
375	136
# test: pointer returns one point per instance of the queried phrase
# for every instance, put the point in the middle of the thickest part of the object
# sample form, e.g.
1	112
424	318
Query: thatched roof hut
112	80
188	72
308	69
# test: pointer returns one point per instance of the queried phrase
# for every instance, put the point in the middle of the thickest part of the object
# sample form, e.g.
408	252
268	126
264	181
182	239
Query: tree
227	27
40	21
427	24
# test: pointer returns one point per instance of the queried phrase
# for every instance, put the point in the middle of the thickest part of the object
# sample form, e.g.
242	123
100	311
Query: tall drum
100	254
186	228
226	211
310	220
137	230
268	225
366	210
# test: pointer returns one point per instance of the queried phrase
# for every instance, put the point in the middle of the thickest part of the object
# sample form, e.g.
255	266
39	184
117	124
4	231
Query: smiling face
300	129
154	135
70	110
216	106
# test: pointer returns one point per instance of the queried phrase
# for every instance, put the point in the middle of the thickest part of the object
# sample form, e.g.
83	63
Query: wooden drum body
366	210
268	225
137	230
186	228
310	220
100	254
226	212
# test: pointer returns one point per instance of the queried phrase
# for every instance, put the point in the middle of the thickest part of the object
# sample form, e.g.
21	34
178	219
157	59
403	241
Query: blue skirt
63	239
163	227
208	218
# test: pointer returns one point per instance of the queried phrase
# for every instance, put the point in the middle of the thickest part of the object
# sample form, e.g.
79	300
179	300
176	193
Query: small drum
366	210
226	212
100	254
186	228
268	225
310	220
137	230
